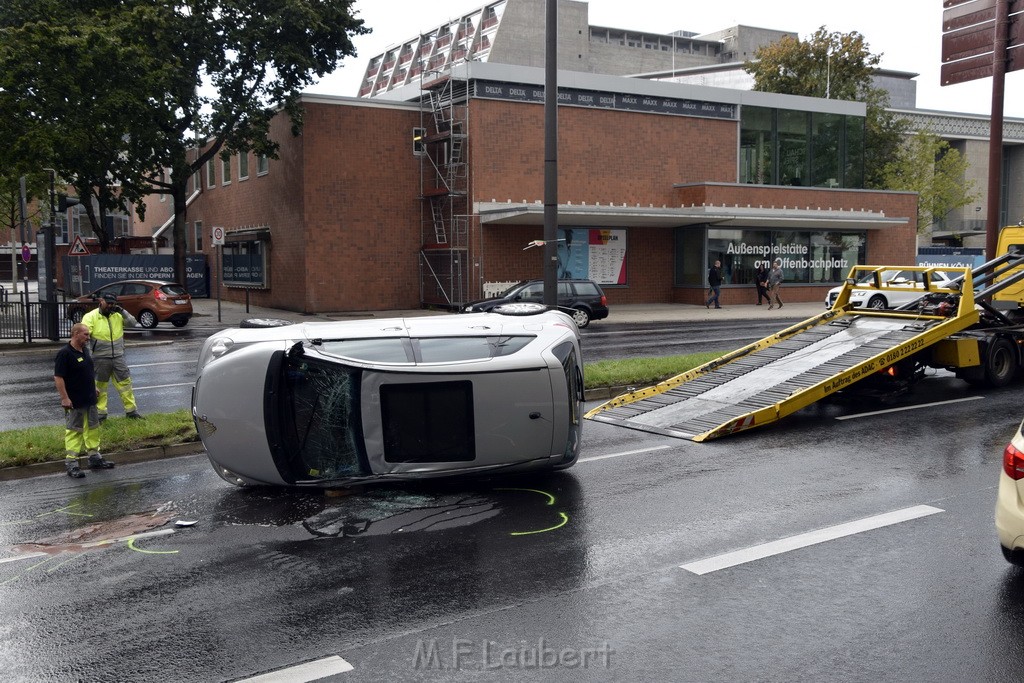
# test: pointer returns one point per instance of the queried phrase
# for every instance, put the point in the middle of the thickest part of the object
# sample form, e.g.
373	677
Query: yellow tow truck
972	326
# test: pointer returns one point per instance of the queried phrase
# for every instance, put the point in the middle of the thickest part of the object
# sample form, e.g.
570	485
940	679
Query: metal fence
30	320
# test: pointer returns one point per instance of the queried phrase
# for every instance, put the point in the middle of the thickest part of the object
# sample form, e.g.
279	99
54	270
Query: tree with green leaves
837	66
115	93
930	167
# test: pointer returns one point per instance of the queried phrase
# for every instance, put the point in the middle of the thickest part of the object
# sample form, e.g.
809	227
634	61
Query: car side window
532	293
586	289
133	289
564	290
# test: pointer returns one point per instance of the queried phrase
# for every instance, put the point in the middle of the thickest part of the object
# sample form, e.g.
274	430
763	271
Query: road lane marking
897	410
830	533
619	455
303	673
166	362
164	386
16	558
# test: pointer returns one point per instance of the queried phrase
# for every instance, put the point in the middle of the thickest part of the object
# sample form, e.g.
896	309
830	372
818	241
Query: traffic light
419	141
65	202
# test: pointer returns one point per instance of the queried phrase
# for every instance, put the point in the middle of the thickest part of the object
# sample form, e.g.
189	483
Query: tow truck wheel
1000	363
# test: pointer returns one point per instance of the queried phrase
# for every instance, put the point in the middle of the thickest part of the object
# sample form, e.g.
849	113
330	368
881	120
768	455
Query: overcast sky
907	33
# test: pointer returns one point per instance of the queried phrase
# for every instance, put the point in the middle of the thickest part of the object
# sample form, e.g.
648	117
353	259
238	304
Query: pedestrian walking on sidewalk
106	326
75	379
761	282
775	278
714	285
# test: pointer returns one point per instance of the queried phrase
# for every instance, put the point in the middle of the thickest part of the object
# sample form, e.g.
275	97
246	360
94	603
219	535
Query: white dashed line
757	552
896	410
303	673
619	455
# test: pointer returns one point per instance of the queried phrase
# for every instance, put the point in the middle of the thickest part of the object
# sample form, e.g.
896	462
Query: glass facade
799	148
808	256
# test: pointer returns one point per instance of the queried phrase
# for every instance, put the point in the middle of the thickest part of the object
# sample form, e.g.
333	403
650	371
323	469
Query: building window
794	147
225	171
197	239
756	146
808	256
262	164
244	262
243	165
211	174
826	150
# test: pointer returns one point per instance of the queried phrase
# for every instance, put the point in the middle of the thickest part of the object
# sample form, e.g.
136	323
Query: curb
122	458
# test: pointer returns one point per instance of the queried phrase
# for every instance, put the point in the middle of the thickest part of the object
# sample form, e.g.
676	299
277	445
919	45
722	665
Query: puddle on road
349	513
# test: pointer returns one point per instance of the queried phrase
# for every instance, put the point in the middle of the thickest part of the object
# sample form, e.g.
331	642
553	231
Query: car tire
1014	557
1000	363
179	323
878	302
581	317
264	322
519	308
76	315
147	319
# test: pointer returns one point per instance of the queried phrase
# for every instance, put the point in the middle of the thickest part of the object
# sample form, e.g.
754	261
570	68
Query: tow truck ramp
776	376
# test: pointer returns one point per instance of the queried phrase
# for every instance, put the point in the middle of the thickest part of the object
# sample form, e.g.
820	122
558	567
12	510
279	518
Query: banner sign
597	254
98	270
605	100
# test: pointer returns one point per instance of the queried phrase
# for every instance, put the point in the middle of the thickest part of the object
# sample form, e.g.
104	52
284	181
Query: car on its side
1010	500
149	301
324	404
583	299
906	286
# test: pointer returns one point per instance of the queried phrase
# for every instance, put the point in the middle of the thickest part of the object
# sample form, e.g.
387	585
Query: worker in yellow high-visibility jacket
106	326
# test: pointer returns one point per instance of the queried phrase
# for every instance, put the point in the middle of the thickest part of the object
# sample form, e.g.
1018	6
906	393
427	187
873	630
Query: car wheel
1015	557
1000	363
520	308
581	317
75	315
877	302
147	319
264	322
178	322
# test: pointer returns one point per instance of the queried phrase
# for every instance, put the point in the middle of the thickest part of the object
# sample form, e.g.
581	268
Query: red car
150	301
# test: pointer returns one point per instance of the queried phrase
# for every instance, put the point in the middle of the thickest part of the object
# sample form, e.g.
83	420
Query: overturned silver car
337	403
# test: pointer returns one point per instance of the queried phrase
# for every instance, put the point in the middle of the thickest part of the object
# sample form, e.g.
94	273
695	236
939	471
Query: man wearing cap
106	325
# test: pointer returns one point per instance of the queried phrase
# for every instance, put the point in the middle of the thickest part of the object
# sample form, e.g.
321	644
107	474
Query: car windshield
320	420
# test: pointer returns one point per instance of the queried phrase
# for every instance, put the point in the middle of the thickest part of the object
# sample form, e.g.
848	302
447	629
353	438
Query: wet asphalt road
532	577
163	362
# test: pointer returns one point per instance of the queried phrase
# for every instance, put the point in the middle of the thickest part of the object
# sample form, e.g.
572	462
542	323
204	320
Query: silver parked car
336	403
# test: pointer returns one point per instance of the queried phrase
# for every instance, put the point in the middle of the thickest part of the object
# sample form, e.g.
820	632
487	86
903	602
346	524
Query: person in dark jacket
714	284
761	281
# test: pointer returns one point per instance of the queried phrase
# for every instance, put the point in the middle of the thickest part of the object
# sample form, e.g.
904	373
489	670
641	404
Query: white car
336	403
908	283
1010	500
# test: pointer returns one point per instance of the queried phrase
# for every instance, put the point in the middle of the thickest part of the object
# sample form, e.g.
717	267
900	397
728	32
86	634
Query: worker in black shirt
75	378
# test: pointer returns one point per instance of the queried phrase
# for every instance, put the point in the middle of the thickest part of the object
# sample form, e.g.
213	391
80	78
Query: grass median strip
46	443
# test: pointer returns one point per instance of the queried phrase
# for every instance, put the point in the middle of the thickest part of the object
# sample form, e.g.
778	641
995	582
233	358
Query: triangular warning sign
78	248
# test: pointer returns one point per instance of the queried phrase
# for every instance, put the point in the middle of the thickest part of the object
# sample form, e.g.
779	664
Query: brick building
655	181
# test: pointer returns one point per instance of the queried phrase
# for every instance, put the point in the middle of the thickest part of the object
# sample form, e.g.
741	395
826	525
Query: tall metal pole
995	135
551	156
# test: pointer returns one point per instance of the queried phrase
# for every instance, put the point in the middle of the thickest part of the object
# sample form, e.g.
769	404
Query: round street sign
26	253
218	235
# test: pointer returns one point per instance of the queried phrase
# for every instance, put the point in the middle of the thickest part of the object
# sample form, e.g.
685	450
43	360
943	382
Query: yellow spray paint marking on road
551	498
131	544
551	501
565	520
